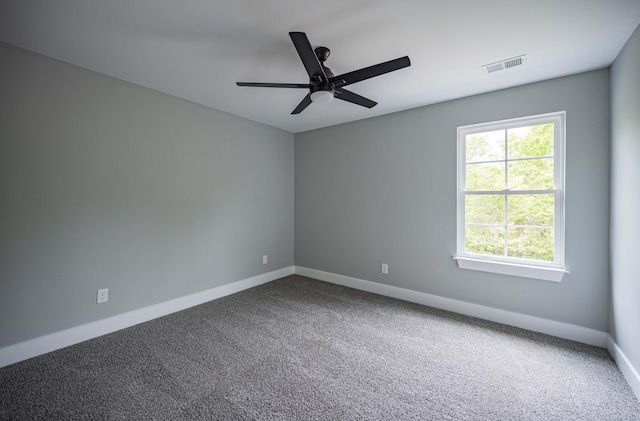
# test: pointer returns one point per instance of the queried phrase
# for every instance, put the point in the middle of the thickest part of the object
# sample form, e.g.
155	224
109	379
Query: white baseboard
628	370
44	344
48	343
536	324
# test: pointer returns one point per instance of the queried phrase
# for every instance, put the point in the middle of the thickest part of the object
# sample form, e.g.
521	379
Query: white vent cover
505	64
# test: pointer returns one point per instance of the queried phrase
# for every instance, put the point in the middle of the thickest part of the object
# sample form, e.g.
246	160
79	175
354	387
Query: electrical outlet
385	268
103	295
265	259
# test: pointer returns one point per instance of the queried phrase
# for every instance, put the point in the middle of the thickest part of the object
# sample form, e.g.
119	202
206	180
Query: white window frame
550	271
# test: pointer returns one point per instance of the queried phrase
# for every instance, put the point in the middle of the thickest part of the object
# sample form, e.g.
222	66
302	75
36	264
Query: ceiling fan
323	85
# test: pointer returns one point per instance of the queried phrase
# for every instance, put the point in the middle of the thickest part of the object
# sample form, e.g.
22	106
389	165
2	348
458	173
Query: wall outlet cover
103	295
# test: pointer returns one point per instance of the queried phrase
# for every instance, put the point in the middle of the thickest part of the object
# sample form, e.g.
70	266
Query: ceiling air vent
505	64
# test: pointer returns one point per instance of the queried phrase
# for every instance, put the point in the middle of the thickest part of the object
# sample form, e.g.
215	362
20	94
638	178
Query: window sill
535	272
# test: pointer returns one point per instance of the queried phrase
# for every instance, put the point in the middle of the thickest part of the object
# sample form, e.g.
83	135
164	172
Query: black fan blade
371	71
274	85
308	56
354	98
303	104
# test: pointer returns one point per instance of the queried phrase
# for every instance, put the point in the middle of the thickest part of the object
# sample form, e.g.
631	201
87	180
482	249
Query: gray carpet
301	349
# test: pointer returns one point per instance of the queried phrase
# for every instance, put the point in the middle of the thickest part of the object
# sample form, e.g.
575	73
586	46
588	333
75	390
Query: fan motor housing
317	88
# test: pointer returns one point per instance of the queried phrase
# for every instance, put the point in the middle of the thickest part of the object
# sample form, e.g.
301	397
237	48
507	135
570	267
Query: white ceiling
198	49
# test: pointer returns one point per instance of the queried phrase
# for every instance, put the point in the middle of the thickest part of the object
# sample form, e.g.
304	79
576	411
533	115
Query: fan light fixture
321	97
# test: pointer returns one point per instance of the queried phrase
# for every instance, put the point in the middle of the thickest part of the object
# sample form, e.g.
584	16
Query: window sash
557	225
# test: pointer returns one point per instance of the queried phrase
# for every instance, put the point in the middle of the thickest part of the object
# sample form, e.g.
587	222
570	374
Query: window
511	197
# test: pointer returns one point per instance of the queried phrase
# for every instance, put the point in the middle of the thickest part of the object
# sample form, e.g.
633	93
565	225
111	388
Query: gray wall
625	199
384	190
105	184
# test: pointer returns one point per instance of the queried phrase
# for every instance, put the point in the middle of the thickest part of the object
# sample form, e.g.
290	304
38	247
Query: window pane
531	243
485	177
531	209
483	209
485	240
531	174
530	141
488	146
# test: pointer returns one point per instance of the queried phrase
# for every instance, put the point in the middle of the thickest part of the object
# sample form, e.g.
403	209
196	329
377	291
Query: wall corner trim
536	324
44	344
629	372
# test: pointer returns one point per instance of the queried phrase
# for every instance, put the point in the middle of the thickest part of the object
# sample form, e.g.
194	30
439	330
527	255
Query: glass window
511	192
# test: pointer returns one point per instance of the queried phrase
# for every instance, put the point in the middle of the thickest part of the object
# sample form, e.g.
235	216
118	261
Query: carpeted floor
301	349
